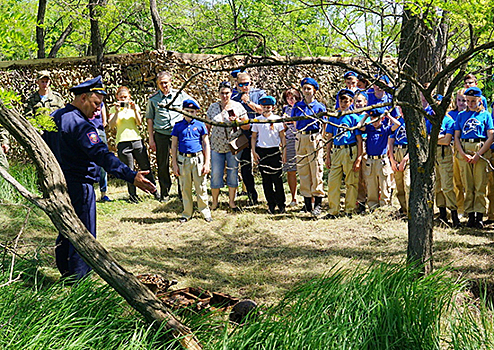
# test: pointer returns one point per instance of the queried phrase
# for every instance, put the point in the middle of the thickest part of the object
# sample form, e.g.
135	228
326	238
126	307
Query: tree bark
40	31
56	203
158	28
96	47
58	44
422	153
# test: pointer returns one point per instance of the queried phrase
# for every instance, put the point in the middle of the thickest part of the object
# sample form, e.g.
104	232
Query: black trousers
128	151
163	143
246	171
271	171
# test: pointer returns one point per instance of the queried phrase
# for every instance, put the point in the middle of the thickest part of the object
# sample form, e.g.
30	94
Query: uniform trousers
490	190
445	193
128	151
310	164
402	180
342	160
69	262
378	179
474	178
458	185
247	176
191	173
271	171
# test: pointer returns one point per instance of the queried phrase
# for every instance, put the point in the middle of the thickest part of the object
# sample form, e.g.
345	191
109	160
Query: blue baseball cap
267	101
350	74
473	91
346	92
438	97
191	104
310	81
384	78
235	72
93	85
376	112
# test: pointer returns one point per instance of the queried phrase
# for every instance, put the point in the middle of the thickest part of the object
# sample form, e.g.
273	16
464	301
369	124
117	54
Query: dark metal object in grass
242	310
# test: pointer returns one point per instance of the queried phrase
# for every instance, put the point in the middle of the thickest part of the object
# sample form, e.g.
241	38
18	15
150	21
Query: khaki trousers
190	172
458	185
490	190
378	179
310	164
445	193
342	160
402	179
474	178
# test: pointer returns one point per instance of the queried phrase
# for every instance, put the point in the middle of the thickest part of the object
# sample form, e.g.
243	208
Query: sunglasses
243	84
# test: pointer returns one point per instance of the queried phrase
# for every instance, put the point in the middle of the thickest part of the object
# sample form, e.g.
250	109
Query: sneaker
316	211
293	204
209	219
105	199
182	220
330	217
157	196
165	199
282	210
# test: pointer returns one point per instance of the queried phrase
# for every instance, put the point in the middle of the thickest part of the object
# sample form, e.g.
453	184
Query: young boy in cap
310	147
191	160
377	170
473	139
344	155
266	141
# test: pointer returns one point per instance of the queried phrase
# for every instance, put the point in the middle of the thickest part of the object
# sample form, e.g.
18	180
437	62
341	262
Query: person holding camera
125	116
223	111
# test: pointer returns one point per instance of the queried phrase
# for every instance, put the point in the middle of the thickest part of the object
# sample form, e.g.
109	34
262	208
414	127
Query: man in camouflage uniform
4	147
44	97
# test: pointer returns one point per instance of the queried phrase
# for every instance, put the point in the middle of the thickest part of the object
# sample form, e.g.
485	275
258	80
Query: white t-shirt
268	135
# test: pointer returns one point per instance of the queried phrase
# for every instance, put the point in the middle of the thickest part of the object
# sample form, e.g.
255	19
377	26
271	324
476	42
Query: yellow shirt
127	129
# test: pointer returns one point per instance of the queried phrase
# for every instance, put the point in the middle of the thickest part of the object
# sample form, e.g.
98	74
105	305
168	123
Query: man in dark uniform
80	152
249	98
44	97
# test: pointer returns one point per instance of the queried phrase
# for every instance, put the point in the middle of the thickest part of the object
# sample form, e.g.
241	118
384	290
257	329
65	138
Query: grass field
267	258
252	254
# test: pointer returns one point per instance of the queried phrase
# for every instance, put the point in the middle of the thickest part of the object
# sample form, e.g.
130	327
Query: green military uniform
4	140
52	100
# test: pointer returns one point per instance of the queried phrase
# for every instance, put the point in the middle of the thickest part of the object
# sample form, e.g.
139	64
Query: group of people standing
367	151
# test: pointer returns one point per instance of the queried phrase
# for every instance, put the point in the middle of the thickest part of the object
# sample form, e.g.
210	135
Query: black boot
455	219
478	220
307	206
317	206
443	215
471	220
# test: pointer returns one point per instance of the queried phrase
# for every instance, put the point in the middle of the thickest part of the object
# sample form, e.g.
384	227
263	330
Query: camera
123	104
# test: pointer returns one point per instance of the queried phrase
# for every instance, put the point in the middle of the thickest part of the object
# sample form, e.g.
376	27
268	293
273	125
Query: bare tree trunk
56	203
422	156
58	44
96	45
158	28
40	31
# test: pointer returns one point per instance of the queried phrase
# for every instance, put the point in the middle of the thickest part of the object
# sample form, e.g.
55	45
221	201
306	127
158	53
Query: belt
400	146
382	156
308	132
190	155
346	146
473	140
444	146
